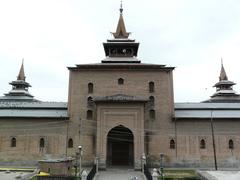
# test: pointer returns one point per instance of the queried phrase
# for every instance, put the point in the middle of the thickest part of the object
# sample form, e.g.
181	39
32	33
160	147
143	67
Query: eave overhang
121	66
193	111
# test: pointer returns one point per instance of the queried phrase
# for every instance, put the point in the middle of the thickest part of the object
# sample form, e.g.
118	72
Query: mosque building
118	110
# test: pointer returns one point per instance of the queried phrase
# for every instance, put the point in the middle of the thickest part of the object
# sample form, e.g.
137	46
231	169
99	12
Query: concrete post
155	174
84	175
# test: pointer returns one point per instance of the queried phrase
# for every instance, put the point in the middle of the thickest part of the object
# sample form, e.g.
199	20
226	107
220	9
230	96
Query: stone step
120	174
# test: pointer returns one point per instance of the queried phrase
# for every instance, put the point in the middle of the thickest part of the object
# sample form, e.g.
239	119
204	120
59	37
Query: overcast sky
191	35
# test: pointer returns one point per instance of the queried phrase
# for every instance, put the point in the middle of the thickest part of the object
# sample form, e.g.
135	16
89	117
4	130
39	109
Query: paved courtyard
12	175
220	175
120	174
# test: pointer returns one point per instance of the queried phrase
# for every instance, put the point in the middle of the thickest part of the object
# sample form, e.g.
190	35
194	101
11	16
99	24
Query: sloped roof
207	110
33	109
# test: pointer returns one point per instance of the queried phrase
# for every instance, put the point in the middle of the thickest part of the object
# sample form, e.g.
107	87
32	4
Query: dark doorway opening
120	147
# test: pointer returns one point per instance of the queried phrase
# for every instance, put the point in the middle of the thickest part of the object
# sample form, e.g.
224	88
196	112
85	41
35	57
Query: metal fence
92	172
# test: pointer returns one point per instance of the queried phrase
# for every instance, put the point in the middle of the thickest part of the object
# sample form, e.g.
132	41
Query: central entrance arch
120	147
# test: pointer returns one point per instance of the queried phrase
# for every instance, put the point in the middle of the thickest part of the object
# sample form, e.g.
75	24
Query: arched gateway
120	147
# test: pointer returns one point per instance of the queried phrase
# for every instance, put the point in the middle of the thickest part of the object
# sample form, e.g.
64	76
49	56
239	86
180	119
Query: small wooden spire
21	75
223	75
121	30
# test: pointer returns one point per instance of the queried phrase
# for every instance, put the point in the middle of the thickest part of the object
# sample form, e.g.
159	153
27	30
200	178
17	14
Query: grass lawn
16	169
180	174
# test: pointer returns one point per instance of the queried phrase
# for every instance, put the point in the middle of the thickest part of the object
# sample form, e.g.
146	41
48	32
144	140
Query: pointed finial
223	75
121	30
121	8
21	75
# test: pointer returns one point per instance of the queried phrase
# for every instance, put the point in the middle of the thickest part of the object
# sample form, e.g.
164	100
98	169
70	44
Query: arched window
152	100
151	87
13	142
172	144
152	114
230	144
70	143
202	144
89	99
120	81
90	87
41	143
89	114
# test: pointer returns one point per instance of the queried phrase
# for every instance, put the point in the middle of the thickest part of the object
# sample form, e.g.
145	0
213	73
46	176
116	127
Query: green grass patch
17	169
34	178
180	174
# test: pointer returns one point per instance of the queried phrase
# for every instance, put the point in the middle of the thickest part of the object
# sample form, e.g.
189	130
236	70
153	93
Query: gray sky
50	35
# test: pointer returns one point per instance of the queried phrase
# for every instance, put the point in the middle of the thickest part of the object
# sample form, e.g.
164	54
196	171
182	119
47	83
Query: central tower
123	106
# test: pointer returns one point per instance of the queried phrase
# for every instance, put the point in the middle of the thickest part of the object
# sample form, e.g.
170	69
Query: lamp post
143	161
80	159
213	141
96	163
161	165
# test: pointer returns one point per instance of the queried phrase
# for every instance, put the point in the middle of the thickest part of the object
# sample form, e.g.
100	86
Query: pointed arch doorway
120	147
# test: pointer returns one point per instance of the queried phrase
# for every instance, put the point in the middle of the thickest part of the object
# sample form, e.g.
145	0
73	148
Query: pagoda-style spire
21	75
121	30
224	85
223	75
121	49
19	87
224	91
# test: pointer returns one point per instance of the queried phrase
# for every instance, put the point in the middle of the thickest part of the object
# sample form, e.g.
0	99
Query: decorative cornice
120	98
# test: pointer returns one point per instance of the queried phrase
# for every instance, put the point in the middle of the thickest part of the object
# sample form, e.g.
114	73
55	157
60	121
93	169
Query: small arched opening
120	147
120	81
41	143
70	143
13	142
230	144
172	144
151	87
202	144
90	88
